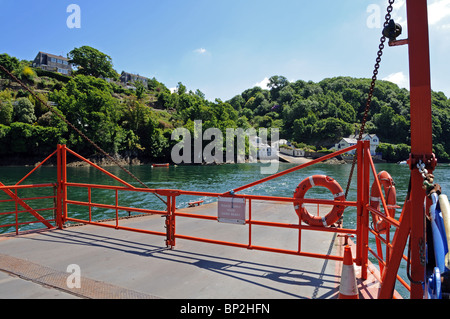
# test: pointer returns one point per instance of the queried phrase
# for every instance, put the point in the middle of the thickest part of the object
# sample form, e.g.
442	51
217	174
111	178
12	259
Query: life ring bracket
338	194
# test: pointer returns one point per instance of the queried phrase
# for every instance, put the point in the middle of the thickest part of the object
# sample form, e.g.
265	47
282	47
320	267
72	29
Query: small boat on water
161	165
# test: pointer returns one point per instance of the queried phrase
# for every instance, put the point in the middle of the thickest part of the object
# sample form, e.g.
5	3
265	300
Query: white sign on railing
231	210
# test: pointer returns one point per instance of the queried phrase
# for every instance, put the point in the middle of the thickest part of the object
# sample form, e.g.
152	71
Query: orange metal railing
15	207
64	204
384	243
171	213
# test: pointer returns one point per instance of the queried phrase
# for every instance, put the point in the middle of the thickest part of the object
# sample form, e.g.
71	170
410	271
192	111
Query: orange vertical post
168	224
421	134
17	214
59	189
399	243
170	221
249	223
64	182
173	217
117	210
360	203
366	199
90	202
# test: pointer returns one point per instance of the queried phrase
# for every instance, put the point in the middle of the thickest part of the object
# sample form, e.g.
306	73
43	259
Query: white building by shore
353	139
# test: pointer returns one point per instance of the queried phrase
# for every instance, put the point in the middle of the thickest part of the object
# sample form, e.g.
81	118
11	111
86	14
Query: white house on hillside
264	150
352	140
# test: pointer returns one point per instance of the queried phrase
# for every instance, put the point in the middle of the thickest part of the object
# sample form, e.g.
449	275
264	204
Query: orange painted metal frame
171	212
8	190
11	191
421	135
365	167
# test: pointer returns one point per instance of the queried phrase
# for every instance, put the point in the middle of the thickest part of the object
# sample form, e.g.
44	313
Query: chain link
388	18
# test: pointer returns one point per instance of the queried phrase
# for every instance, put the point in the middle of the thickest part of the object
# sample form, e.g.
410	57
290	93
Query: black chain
388	18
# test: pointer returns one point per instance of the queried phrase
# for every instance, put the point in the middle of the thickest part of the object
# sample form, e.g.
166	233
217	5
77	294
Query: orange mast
421	134
413	215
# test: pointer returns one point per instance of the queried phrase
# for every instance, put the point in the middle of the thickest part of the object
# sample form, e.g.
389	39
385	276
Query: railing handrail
362	204
9	187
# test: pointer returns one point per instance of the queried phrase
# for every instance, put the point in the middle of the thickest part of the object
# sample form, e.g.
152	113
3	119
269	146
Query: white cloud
438	11
200	51
398	78
399	12
263	84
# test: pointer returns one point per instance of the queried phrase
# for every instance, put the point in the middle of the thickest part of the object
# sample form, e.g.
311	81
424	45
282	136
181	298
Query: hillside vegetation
139	122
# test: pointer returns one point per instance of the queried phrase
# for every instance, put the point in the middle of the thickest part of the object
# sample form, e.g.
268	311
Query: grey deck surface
121	264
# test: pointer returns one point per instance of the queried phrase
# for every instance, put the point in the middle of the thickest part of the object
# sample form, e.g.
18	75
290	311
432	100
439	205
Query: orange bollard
348	288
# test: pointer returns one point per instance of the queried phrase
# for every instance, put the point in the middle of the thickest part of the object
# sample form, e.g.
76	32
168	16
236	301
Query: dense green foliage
140	122
90	61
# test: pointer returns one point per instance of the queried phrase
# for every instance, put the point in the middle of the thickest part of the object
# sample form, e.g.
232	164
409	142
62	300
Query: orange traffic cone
348	288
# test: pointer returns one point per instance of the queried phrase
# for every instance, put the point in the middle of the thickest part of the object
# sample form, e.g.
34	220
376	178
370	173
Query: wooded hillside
139	122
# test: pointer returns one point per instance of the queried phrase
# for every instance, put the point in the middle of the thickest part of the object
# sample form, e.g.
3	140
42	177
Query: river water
218	179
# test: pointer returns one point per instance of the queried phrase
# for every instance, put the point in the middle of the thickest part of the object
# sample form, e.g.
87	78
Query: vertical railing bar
17	210
366	198
299	233
64	181
168	223
360	203
250	223
90	202
173	216
59	217
117	209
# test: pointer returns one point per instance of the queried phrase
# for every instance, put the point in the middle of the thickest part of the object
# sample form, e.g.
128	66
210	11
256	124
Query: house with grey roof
353	139
129	78
52	63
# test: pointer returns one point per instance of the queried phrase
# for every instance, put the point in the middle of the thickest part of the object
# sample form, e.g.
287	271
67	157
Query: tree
276	84
24	111
181	88
6	112
391	126
441	154
9	63
237	102
154	85
33	139
140	89
5	140
88	104
90	61
394	153
330	130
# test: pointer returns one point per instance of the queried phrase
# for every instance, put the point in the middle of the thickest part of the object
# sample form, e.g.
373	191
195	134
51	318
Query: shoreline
33	161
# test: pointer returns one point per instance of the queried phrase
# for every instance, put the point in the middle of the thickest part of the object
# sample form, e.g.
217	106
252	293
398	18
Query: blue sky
223	47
